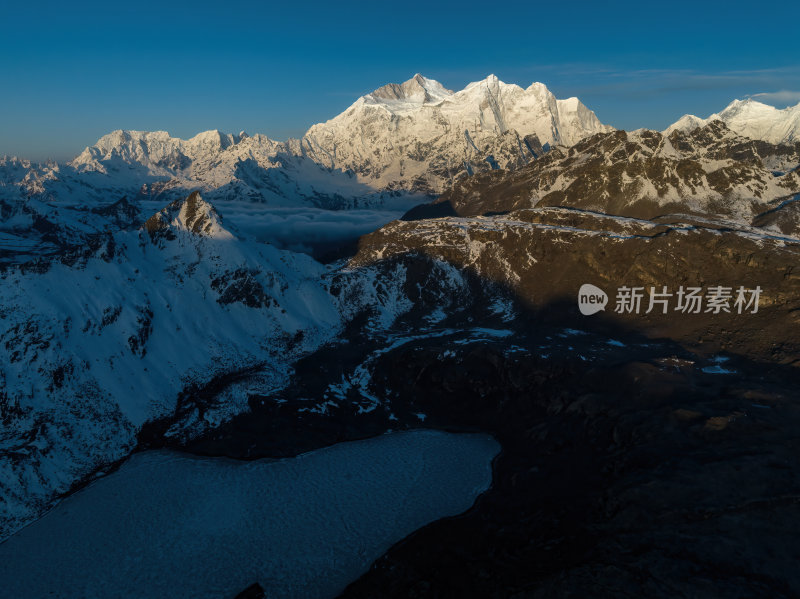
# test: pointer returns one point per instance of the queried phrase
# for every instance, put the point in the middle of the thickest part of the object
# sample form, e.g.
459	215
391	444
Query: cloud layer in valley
304	229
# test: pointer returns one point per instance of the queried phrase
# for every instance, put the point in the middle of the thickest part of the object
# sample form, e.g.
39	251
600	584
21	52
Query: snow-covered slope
176	321
751	119
154	165
419	135
92	349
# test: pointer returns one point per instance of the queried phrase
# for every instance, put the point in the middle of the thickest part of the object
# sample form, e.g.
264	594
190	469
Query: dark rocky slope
631	465
710	171
544	256
643	454
634	475
636	471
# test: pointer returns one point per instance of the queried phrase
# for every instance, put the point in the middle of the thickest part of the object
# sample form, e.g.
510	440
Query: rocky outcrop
192	215
543	256
710	171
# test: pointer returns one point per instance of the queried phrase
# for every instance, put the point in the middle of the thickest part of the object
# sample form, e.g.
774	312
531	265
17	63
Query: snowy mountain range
134	288
410	139
399	146
750	118
421	136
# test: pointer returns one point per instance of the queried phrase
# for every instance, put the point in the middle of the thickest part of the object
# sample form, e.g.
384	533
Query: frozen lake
171	525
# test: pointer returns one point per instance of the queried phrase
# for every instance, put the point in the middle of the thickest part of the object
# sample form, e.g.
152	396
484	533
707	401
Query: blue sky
73	72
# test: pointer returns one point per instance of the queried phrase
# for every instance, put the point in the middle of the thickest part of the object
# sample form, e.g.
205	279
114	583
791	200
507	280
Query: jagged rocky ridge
544	255
711	172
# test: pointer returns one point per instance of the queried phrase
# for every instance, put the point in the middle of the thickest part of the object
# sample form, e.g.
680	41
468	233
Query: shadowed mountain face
710	171
627	473
648	451
630	465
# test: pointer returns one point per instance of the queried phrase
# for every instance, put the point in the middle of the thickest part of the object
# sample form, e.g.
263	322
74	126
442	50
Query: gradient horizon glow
72	73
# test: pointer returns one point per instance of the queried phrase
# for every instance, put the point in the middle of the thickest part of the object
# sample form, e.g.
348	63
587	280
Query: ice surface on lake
172	525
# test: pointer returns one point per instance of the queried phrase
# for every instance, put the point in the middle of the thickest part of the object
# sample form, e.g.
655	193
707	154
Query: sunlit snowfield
172	525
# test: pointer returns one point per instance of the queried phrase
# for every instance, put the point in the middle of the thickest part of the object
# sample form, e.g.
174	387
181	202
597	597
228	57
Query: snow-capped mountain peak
193	215
214	139
416	91
490	82
155	148
133	147
421	136
752	119
685	124
748	106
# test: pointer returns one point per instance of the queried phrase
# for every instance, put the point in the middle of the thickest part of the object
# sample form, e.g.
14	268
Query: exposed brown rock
710	171
544	255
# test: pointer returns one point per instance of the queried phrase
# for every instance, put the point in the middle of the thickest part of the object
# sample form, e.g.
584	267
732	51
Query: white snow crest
752	119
